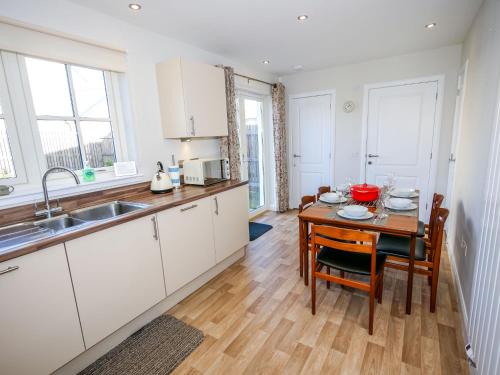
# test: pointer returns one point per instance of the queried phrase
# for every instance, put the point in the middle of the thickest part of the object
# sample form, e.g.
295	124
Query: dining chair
427	253
424	229
305	201
322	190
348	251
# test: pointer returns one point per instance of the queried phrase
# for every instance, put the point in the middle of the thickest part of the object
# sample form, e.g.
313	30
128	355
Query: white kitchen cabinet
117	275
39	328
192	99
187	242
230	219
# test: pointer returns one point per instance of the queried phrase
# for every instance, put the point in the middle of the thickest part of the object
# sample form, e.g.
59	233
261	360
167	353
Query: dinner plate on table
366	216
333	201
396	194
411	207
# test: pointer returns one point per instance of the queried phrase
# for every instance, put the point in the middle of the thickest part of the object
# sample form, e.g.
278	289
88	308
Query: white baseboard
458	288
92	354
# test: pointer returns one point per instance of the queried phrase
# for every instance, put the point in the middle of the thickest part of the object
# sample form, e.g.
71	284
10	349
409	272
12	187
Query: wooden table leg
305	251
411	268
301	249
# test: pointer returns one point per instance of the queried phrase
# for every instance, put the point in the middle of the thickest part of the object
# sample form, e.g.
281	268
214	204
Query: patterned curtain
230	145
280	155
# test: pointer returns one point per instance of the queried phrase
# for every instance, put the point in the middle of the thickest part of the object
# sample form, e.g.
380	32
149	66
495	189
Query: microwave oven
206	171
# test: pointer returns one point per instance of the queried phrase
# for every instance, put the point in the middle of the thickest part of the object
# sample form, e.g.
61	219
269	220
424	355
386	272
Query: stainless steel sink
107	210
23	233
61	223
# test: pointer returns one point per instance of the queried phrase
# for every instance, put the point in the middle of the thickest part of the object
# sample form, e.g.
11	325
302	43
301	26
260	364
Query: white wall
482	50
348	81
144	50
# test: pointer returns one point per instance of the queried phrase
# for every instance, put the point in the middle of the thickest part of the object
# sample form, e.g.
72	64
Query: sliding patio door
252	149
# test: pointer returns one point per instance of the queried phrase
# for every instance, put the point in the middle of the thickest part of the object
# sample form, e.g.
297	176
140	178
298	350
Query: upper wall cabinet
192	99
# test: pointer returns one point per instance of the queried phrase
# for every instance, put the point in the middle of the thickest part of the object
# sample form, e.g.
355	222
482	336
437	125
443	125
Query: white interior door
400	131
311	144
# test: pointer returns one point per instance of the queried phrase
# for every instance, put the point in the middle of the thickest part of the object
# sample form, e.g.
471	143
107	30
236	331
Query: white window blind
33	41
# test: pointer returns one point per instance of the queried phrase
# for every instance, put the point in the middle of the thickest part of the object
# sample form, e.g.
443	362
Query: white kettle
161	182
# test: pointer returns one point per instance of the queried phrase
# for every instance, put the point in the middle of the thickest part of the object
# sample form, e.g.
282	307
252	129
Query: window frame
113	119
12	131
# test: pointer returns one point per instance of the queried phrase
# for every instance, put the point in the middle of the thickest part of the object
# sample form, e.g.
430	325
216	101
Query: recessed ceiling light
298	67
266	62
431	25
135	6
302	18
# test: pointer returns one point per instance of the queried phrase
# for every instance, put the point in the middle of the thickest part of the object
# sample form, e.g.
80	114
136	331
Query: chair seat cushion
400	246
351	262
421	229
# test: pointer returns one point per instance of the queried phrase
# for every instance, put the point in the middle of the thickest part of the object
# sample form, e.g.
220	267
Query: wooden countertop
157	202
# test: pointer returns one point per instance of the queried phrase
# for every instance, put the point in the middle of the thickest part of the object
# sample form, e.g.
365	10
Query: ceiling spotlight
135	6
431	25
266	62
302	18
298	67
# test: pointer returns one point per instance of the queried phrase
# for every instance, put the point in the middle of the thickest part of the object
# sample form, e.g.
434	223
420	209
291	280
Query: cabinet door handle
189	208
9	269
216	206
193	131
155	228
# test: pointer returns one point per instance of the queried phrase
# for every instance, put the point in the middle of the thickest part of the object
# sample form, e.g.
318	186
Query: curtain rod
254	79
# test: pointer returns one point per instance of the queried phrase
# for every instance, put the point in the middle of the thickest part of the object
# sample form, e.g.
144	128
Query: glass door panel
251	142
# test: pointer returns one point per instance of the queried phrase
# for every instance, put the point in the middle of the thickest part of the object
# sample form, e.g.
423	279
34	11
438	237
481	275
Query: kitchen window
72	113
57	114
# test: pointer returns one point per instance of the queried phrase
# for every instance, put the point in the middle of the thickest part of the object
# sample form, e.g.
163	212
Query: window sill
59	188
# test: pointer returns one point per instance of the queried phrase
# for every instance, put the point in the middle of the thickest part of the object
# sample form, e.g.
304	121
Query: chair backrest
306	201
339	239
322	190
437	200
438	232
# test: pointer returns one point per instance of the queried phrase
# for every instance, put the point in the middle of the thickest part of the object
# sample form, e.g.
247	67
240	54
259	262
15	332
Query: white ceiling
337	31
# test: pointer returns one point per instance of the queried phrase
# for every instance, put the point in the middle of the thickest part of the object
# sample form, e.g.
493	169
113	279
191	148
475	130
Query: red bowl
365	192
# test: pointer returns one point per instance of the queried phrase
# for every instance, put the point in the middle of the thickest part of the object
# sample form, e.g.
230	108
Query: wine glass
390	181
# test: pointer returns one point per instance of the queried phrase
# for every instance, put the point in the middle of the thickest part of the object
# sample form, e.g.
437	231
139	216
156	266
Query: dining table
384	220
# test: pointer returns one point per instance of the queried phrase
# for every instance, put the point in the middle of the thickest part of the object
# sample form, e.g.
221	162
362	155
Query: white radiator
484	321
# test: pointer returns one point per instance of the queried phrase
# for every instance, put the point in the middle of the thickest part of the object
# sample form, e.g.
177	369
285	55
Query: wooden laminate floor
256	317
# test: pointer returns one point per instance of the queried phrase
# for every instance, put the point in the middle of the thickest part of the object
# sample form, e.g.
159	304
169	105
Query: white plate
366	216
411	207
412	195
338	200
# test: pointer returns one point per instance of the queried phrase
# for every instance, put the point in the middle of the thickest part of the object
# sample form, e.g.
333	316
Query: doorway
400	135
251	111
311	143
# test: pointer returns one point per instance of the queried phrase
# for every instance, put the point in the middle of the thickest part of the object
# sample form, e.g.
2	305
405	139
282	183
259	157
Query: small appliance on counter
174	173
161	182
206	172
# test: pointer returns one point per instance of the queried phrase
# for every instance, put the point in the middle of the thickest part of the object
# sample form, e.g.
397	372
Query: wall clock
349	106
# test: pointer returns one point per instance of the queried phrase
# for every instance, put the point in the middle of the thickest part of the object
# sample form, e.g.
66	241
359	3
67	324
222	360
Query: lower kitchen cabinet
39	328
187	242
117	275
230	220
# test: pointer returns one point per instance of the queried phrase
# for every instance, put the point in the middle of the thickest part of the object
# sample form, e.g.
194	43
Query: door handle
193	131
155	228
297	156
373	155
9	269
216	206
189	208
